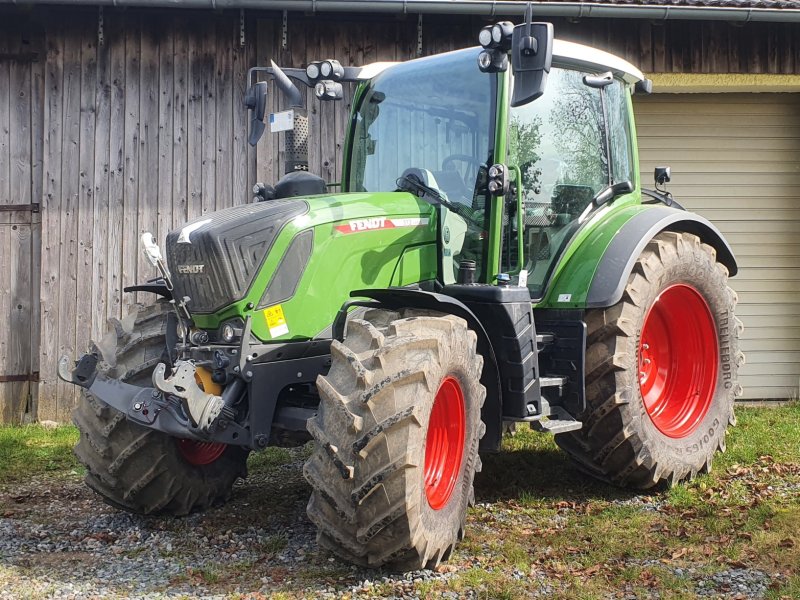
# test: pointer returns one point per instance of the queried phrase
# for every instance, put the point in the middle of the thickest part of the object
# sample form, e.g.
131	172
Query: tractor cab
515	156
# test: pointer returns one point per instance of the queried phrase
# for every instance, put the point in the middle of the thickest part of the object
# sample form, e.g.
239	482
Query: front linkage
178	406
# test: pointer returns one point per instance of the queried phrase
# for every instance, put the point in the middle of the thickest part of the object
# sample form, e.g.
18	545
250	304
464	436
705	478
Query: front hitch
202	408
162	410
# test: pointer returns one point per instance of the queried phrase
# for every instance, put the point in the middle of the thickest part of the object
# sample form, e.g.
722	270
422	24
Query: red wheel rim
200	453
444	446
678	355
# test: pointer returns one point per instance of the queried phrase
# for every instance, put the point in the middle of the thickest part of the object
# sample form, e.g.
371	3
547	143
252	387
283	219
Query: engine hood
214	258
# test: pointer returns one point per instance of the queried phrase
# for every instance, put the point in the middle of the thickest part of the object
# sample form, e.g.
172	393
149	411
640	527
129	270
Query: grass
33	450
540	524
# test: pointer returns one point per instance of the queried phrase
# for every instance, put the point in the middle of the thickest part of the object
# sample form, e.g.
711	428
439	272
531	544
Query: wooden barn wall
119	122
671	46
21	101
146	130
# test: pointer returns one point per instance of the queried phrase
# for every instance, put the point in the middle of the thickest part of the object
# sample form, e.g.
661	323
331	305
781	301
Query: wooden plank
343	48
86	295
180	125
102	167
5	120
328	164
7	390
130	153
37	42
166	92
7	104
265	150
50	227
223	85
194	111
149	170
243	175
209	121
17	263
788	39
18	128
115	218
312	47
71	182
18	275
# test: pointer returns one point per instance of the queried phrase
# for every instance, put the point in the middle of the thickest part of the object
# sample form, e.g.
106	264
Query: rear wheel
137	469
661	369
397	435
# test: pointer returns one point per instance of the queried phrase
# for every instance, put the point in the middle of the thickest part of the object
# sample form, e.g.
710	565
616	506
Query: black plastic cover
300	183
505	312
215	263
284	282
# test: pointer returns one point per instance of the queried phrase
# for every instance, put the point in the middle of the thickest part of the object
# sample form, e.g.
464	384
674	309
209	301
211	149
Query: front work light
326	69
497	36
492	61
312	71
328	90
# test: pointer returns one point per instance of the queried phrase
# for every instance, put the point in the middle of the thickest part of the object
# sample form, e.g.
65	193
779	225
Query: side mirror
256	101
662	175
531	57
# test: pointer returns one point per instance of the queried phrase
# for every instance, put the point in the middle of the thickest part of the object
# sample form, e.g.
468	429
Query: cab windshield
436	115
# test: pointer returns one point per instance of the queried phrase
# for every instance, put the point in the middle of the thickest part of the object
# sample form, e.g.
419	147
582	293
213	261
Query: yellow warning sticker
276	322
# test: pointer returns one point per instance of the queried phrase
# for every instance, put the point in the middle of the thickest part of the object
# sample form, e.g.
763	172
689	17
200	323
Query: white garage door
735	159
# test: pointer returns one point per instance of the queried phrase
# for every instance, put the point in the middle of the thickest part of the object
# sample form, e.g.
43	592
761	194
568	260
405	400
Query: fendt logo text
190	269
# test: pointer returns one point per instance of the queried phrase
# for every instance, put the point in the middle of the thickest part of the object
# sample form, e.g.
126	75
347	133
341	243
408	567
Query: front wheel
137	469
661	369
396	440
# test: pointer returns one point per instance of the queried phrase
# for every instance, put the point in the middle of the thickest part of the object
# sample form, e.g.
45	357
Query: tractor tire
661	370
396	440
141	470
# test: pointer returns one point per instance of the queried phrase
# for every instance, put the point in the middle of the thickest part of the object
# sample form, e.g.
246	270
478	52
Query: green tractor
491	259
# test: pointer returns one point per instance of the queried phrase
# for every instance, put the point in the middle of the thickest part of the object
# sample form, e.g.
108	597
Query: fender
492	413
616	264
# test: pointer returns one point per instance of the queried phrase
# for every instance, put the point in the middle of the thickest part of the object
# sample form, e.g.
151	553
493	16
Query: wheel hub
444	445
677	359
200	453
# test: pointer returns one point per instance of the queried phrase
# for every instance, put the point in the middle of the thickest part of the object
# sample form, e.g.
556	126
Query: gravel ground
58	540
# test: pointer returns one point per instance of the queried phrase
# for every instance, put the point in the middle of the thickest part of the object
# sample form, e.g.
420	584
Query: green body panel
355	246
575	271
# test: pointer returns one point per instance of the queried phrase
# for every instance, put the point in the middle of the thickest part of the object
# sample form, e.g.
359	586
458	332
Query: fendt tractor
490	258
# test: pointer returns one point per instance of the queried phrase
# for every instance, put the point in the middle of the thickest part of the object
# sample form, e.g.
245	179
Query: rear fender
619	258
615	261
492	413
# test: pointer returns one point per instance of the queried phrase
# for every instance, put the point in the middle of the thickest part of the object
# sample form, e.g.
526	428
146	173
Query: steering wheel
471	173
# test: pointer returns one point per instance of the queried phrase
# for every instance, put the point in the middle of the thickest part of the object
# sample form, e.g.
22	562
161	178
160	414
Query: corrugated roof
701	3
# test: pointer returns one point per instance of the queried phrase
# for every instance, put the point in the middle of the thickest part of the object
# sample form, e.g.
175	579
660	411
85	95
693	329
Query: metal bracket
101	35
241	28
202	408
34	208
419	34
285	30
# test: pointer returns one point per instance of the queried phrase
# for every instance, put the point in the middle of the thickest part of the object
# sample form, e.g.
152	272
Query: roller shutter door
735	159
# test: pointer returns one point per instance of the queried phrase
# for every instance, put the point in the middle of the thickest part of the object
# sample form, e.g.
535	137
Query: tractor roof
565	54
